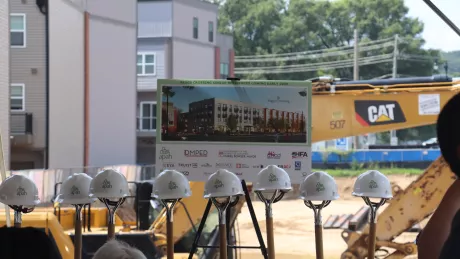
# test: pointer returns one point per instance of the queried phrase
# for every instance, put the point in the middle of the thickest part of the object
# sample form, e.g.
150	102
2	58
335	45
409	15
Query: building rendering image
227	119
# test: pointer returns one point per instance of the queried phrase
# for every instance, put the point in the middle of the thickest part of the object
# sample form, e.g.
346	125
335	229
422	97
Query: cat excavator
339	109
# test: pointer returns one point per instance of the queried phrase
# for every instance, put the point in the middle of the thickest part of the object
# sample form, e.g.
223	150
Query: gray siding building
28	81
5	80
176	39
77	101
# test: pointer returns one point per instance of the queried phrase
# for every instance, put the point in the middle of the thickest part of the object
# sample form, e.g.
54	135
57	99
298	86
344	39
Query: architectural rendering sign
242	126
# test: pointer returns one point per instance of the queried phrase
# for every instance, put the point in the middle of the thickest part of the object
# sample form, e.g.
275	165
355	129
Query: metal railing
21	123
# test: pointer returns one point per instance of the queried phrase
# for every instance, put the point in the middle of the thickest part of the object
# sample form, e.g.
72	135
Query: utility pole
356	57
395	57
356	75
393	136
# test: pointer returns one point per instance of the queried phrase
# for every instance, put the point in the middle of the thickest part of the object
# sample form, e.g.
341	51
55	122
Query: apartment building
5	80
176	39
27	85
213	115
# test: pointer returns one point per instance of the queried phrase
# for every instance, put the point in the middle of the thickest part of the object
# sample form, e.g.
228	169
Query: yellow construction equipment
339	109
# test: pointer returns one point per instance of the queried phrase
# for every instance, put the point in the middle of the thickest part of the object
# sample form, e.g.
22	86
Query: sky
437	34
255	95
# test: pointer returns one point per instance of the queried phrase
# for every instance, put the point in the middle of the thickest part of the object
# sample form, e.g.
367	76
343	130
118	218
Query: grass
386	171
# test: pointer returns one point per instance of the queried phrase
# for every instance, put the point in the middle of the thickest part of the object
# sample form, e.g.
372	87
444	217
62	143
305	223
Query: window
195	28
224	70
18	30
211	31
146	65
17	97
148	116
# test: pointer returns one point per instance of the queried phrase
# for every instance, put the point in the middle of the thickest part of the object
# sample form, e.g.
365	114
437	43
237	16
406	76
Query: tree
168	93
232	122
269	26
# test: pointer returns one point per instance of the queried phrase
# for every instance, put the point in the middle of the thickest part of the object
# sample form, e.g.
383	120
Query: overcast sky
437	34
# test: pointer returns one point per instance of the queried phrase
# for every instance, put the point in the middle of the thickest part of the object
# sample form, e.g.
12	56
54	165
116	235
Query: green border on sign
220	82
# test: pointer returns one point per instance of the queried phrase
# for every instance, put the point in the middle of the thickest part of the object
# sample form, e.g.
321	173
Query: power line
315	56
315	67
337	62
314	51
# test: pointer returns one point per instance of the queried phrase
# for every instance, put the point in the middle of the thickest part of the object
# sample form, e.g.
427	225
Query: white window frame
24	31
23	98
141	117
143	64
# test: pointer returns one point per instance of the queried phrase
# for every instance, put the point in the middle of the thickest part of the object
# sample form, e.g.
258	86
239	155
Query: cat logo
374	113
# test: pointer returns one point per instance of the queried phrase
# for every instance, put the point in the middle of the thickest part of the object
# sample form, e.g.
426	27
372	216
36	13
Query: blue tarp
366	156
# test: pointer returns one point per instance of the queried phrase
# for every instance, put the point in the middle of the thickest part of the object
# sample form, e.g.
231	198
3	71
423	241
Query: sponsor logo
300	154
186	173
278	100
218	184
236	154
196	153
304	174
188	165
297	165
207	173
373	113
273	155
168	165
165	154
224	165
258	166
284	166
105	184
206	165
242	166
239	173
172	185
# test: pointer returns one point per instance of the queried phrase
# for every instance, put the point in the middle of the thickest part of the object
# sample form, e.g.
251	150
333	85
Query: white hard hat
273	178
75	190
171	184
18	190
222	183
373	184
109	184
319	186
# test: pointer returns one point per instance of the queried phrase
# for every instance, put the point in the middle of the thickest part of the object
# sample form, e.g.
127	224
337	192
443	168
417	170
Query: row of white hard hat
170	184
317	186
18	190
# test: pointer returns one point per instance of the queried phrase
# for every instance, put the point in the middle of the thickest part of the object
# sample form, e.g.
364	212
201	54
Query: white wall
112	82
66	84
113	93
5	80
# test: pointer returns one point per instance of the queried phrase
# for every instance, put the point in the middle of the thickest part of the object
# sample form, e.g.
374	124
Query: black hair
448	128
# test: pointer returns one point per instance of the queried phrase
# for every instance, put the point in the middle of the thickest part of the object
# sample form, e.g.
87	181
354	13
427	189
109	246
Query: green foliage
272	26
453	60
232	122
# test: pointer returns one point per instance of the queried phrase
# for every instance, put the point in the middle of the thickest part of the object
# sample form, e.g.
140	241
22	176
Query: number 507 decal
338	124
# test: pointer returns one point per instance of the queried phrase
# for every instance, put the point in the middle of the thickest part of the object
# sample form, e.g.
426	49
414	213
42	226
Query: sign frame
198	155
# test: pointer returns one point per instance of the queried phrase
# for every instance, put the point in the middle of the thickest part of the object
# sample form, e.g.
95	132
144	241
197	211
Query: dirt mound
294	223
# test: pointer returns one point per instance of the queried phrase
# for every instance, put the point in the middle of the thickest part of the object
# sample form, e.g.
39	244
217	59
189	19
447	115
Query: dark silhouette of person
441	236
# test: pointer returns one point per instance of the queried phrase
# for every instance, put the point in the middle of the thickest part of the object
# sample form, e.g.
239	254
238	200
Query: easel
261	246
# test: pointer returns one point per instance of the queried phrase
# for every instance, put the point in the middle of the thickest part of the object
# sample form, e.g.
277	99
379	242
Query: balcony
21	129
154	29
21	124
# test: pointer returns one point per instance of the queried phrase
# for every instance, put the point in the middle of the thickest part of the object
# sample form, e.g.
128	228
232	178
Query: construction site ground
294	225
